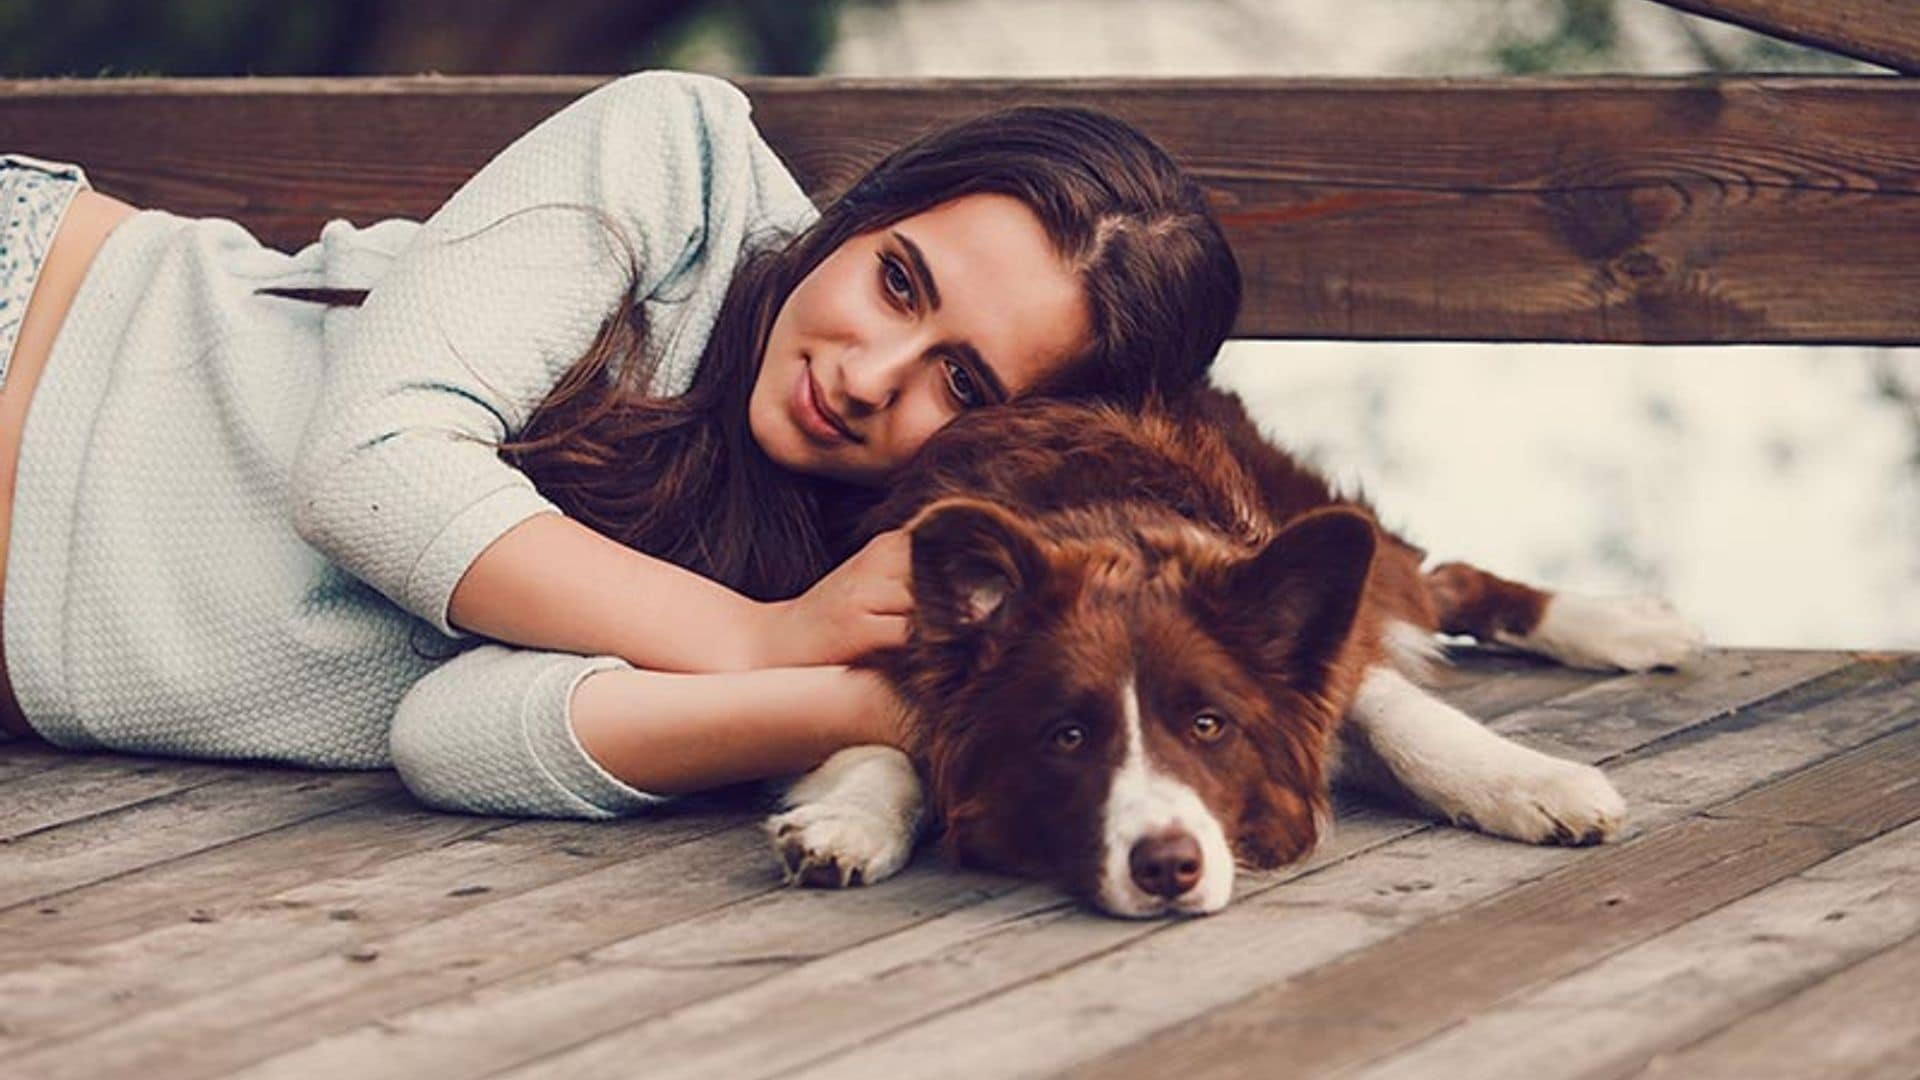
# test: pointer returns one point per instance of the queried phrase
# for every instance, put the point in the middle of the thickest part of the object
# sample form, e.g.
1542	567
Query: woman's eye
960	382
1208	726
1069	737
895	280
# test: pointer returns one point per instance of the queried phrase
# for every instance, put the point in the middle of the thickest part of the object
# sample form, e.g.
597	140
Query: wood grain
19	757
1615	210
784	1014
1348	1012
1679	987
82	787
197	817
1050	1016
1882	31
274	971
1857	1024
205	884
476	888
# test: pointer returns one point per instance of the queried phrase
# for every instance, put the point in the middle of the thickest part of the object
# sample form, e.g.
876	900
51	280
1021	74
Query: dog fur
1143	645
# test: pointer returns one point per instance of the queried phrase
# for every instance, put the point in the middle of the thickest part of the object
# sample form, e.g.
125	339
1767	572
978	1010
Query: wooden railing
1657	210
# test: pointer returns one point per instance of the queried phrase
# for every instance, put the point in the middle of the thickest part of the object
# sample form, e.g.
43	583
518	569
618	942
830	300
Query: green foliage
40	38
1530	37
765	37
1583	36
168	37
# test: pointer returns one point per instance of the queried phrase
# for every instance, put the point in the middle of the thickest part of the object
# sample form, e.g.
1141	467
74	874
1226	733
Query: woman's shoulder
707	97
666	116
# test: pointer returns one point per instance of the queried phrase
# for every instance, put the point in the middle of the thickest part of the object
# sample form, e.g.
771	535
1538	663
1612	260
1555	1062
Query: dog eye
1209	726
1069	737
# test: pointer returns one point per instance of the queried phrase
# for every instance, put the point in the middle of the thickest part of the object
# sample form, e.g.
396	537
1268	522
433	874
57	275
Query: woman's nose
874	377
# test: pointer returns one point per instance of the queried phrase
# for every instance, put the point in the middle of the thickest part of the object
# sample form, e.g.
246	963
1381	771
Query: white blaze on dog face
1101	714
1162	849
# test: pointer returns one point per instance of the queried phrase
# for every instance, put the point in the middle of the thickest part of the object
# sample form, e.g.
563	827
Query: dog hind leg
853	820
1448	762
1600	633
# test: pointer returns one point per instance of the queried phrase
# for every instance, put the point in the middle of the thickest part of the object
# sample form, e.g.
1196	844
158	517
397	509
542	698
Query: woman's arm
552	583
397	479
669	733
501	730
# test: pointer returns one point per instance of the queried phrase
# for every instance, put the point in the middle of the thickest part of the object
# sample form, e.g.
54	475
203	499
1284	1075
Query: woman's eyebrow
917	263
992	377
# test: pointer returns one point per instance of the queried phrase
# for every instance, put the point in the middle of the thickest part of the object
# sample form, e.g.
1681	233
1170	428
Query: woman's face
900	330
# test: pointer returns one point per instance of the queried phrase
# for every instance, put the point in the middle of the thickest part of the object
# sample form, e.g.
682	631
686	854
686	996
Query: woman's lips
810	416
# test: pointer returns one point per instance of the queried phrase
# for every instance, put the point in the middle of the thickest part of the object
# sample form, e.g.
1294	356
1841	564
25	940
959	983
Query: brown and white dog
1143	644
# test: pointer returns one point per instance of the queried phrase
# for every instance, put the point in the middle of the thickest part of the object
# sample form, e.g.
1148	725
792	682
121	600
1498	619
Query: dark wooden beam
1878	31
1597	210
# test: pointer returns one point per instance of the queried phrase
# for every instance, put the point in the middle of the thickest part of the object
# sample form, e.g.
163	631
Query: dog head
1121	702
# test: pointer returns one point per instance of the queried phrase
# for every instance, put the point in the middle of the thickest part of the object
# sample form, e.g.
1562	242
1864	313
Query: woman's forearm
552	583
670	733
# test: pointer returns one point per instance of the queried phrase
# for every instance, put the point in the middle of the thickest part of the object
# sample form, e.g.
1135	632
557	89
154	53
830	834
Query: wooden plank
1487	682
1615	210
282	1007
356	838
19	757
494	878
1880	31
203	885
83	787
783	1013
1859	1023
365	974
1020	997
245	803
475	1033
1441	973
1674	988
1606	719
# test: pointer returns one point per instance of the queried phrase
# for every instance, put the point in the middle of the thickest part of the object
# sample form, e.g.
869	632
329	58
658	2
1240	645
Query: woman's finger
893	554
889	595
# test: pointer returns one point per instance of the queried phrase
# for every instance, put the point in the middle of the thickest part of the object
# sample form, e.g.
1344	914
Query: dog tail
1468	600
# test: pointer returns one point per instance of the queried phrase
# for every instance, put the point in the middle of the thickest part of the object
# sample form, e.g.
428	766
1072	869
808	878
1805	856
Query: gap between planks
1676	988
1034	1018
1440	973
323	981
775	1014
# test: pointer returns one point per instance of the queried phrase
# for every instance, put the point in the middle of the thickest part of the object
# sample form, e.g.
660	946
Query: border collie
1143	644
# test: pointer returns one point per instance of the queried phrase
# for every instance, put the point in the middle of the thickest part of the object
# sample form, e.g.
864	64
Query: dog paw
834	845
1548	801
1611	633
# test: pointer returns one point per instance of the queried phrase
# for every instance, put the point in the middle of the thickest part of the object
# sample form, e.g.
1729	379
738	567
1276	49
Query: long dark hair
682	478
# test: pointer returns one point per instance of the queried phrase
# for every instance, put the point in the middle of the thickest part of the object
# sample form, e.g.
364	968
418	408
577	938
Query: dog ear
972	561
1295	602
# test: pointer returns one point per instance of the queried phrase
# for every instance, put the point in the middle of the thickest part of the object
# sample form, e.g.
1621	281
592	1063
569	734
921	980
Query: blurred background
1772	493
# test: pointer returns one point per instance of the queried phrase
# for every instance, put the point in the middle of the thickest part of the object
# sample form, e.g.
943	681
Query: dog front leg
1448	762
851	821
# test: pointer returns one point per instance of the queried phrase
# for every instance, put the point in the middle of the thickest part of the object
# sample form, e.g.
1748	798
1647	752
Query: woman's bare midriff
90	217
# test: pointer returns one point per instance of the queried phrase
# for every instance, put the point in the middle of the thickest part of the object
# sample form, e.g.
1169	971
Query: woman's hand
861	606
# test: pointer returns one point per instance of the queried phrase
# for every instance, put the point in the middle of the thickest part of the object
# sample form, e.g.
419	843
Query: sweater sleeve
489	732
647	187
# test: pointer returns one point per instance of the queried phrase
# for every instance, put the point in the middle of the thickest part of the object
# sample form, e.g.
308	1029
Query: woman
240	515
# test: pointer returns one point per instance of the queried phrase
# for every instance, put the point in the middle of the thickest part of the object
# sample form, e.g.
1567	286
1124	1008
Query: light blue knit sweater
238	519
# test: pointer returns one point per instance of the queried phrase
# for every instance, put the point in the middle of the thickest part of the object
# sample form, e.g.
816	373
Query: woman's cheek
920	423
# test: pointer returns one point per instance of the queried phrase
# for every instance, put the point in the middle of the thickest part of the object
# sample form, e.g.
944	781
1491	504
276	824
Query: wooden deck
163	919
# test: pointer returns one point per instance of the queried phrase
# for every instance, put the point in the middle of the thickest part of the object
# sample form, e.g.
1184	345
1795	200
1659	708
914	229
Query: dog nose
1166	863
